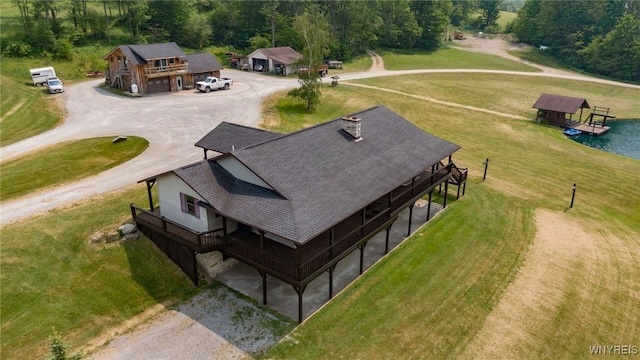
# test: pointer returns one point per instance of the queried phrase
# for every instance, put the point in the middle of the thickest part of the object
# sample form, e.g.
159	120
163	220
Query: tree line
354	25
599	36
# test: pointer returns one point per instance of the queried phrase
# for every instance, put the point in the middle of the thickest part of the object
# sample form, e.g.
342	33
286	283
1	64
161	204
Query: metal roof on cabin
227	136
284	55
560	103
322	174
202	62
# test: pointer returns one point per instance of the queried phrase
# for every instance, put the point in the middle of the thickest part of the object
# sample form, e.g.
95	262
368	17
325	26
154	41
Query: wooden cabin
554	109
293	205
152	68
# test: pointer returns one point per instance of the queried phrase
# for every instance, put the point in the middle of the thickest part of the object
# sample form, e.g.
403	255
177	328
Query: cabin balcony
168	70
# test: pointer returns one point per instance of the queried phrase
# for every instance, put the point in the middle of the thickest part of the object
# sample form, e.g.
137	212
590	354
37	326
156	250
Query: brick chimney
352	126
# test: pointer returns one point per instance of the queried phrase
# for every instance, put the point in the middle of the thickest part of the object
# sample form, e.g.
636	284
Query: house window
189	205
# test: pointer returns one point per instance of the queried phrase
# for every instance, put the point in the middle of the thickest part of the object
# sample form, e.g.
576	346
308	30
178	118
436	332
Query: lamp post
573	196
486	165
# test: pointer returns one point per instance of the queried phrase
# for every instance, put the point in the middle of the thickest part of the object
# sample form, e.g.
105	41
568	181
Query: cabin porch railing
198	241
429	178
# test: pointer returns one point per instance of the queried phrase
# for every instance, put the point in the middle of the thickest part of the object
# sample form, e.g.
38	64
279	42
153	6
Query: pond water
622	139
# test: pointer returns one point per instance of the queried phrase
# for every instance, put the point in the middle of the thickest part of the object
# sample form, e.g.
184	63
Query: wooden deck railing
199	241
427	179
162	70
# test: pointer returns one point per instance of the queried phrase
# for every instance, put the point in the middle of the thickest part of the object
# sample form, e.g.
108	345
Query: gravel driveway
172	123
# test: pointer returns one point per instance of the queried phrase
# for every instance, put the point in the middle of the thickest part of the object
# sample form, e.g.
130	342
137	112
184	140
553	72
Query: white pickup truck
214	83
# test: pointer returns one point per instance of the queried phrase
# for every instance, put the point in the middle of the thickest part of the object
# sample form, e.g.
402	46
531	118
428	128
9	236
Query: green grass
432	296
505	18
52	276
428	297
26	110
64	163
517	93
449	59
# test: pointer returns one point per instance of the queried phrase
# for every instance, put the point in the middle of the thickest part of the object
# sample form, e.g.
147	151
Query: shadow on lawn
215	314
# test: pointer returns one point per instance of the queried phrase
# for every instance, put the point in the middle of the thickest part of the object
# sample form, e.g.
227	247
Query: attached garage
200	77
157	85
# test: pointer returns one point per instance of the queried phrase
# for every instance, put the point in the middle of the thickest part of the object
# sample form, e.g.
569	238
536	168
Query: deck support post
429	205
300	291
410	218
195	268
150	184
446	189
386	242
362	256
264	287
332	268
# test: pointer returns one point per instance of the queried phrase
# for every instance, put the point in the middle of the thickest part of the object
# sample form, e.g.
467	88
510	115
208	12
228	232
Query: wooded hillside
599	36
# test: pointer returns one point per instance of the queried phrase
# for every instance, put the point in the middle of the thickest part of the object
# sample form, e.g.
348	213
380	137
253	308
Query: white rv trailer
39	76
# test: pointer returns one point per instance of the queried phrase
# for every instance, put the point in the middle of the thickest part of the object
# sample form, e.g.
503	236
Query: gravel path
216	324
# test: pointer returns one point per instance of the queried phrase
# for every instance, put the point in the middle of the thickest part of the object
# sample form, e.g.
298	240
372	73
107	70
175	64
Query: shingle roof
320	175
139	54
281	55
560	103
202	62
226	136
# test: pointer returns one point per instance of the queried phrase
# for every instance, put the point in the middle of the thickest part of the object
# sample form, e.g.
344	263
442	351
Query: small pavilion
554	109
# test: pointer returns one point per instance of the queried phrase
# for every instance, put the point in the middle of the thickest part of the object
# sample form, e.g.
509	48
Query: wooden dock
592	129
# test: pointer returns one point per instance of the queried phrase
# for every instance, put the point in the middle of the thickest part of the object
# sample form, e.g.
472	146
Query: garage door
158	85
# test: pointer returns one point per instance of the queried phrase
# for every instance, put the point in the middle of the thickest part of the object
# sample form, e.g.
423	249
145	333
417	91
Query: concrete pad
282	297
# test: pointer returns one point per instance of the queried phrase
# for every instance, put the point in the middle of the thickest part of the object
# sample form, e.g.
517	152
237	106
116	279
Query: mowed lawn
54	277
65	162
26	110
437	295
450	58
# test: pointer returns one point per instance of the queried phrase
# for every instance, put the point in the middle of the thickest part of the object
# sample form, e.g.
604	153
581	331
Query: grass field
487	279
450	58
65	162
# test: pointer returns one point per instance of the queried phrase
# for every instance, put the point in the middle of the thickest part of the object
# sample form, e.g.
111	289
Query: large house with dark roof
293	205
155	68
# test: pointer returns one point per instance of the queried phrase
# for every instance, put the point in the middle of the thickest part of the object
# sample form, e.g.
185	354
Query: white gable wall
169	188
238	170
